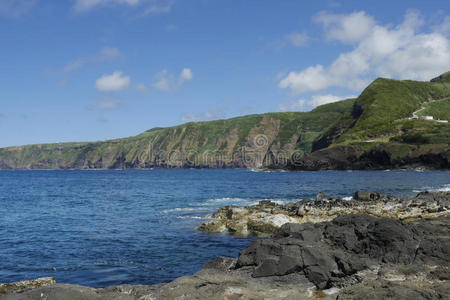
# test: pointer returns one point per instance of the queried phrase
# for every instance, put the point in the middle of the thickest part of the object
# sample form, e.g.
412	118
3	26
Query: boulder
327	252
367	196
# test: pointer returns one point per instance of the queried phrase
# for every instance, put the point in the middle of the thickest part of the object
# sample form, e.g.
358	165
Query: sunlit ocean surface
101	228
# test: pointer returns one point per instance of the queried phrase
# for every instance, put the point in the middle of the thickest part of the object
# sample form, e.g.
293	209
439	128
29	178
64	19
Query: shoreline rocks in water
7	288
267	217
351	257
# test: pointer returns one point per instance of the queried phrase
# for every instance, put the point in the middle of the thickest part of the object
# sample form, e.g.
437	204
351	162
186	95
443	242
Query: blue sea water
101	228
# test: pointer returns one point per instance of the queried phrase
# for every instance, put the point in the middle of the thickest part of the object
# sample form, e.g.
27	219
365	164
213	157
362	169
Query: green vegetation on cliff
237	142
442	78
382	111
382	127
439	109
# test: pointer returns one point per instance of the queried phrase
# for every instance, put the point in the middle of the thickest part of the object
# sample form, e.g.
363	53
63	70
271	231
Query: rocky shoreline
400	254
267	216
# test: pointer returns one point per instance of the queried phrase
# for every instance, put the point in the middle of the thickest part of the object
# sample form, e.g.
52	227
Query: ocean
108	227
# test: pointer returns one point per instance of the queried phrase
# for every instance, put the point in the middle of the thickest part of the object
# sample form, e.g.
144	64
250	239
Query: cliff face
386	129
379	157
384	110
252	141
387	126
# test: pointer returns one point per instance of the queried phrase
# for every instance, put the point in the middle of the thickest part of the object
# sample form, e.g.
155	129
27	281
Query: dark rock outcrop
380	157
328	252
367	196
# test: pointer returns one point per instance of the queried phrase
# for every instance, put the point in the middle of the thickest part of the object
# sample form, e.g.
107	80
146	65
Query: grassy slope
442	78
438	109
377	132
380	111
162	146
375	120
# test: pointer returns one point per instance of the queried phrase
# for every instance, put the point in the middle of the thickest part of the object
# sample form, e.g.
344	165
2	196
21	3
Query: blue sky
86	70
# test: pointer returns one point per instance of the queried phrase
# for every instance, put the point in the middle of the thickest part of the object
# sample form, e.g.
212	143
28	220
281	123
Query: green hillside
381	112
438	109
382	128
238	142
442	78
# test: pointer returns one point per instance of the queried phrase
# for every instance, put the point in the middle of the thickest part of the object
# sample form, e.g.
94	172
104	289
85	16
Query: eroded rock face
267	217
381	157
329	252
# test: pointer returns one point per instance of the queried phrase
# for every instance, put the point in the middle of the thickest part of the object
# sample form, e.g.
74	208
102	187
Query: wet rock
266	203
321	197
221	263
267	217
6	288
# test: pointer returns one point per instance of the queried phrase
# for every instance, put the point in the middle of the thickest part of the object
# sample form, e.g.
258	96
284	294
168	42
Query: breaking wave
442	188
185	209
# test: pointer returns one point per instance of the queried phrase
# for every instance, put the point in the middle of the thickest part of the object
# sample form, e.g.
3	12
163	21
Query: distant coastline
375	131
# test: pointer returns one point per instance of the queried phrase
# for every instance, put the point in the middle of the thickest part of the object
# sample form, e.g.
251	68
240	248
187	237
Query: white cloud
314	101
444	27
147	6
108	53
298	105
214	114
165	81
85	5
108	103
105	54
346	28
186	75
74	65
162	81
113	82
141	87
311	79
16	8
398	52
296	39
157	7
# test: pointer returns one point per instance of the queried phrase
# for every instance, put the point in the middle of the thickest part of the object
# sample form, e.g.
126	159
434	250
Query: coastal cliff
392	124
252	141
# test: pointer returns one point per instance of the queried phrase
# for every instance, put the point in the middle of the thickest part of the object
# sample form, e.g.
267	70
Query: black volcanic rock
327	252
367	196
